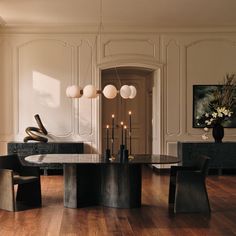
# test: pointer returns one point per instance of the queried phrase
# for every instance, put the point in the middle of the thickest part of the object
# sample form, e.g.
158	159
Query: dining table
93	179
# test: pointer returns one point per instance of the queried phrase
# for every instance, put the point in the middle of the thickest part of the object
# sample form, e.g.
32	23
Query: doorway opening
141	107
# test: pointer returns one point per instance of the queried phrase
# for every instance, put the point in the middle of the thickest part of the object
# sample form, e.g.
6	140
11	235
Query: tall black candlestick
130	130
125	128
122	139
107	131
112	133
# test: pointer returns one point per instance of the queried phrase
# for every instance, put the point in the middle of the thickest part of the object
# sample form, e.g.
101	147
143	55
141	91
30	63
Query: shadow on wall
89	149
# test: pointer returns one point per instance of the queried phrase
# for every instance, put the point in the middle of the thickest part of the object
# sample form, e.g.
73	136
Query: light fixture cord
101	27
118	77
100	19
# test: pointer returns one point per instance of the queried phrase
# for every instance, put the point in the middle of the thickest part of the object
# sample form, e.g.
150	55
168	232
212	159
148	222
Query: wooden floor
152	219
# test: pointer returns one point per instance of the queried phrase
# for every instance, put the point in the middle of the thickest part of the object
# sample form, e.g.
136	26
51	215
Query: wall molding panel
74	55
44	71
173	87
129	46
6	110
207	62
85	76
199	41
204	59
6	94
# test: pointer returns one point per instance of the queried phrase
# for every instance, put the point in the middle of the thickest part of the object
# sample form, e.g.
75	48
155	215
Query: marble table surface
99	159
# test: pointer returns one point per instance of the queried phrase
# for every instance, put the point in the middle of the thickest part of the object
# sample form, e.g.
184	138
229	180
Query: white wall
193	59
36	68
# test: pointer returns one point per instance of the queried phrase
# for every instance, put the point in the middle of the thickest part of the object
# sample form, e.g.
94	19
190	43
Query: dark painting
202	97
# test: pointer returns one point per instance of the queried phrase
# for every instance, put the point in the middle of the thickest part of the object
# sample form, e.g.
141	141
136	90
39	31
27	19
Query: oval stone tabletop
99	159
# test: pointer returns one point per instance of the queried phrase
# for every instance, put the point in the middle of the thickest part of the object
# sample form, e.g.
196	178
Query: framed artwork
202	97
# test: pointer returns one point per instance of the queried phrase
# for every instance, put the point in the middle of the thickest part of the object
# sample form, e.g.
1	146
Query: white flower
225	112
217	115
220	109
214	114
206	129
204	137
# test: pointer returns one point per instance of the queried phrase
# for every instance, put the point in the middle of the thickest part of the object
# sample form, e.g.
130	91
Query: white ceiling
153	13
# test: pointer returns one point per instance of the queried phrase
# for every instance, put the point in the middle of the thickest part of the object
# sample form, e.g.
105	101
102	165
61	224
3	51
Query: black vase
218	133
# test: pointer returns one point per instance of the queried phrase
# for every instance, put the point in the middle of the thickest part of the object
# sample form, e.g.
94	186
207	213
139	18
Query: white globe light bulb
109	91
90	91
73	91
133	92
125	91
68	91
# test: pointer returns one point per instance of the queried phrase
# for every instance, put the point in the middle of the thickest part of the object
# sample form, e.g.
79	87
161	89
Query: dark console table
31	148
223	155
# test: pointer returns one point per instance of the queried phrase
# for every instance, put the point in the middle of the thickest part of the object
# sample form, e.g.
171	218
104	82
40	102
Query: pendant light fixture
109	91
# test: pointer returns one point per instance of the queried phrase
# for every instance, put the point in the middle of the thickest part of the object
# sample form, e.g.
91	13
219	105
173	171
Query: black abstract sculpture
35	133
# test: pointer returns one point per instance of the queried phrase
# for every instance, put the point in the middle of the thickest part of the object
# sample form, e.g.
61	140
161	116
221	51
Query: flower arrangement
205	135
216	116
219	108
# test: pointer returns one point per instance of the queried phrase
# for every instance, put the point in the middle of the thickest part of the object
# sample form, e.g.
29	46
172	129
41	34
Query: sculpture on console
35	133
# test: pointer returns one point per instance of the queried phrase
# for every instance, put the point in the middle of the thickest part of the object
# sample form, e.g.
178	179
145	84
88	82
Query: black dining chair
187	189
12	172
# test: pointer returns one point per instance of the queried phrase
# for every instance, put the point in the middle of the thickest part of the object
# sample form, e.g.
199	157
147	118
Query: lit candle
122	123
130	121
112	133
130	129
113	125
125	128
107	136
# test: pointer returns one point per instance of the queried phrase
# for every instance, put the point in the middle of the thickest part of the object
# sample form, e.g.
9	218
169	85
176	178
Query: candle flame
125	127
113	116
122	123
107	126
130	112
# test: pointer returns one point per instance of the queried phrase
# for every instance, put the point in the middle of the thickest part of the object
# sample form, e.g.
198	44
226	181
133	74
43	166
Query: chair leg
7	195
29	194
191	196
171	193
172	185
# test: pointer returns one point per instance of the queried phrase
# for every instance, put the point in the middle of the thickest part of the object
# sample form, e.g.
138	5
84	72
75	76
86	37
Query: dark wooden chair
187	189
12	172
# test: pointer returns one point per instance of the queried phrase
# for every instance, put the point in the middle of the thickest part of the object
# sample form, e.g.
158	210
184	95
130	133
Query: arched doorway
142	108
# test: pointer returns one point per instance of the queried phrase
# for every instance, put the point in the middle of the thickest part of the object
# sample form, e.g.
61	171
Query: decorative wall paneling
43	66
157	111
173	88
208	60
45	69
136	50
179	60
203	59
130	46
6	109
